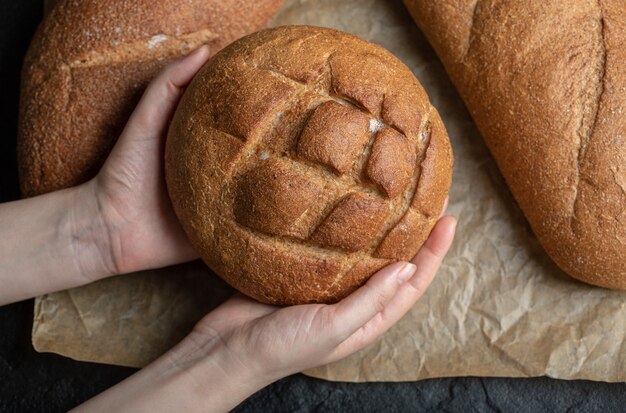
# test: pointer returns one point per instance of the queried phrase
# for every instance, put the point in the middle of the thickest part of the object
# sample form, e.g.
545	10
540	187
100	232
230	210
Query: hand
275	342
243	345
142	230
120	221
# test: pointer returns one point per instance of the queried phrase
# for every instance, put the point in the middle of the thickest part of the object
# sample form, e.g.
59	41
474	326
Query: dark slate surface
32	382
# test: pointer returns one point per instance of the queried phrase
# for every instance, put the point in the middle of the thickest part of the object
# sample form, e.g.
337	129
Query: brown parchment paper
498	307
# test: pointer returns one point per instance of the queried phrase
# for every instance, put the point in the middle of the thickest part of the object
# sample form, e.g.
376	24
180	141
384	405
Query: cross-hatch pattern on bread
327	163
345	185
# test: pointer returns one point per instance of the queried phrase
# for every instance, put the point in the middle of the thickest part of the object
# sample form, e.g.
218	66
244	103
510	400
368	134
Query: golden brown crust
392	162
357	275
550	107
272	196
405	237
334	136
90	61
437	162
352	224
292	216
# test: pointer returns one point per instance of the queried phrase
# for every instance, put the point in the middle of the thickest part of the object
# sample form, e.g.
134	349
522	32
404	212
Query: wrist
198	375
90	235
209	363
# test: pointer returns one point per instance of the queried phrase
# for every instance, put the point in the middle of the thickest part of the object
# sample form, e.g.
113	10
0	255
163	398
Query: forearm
189	378
51	242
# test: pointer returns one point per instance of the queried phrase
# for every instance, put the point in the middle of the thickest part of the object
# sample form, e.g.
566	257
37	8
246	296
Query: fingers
430	256
159	101
352	312
237	308
231	314
428	260
247	306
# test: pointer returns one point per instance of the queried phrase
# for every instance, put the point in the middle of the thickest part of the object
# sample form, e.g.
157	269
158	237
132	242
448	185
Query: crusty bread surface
545	82
88	64
301	160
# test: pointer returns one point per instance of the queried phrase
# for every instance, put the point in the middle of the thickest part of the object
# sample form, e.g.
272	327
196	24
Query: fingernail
456	221
406	272
198	50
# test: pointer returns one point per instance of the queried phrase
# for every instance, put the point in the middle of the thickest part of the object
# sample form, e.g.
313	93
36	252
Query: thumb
358	308
136	153
150	118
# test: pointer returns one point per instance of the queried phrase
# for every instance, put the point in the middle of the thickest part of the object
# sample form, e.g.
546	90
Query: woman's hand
120	221
274	342
143	231
243	345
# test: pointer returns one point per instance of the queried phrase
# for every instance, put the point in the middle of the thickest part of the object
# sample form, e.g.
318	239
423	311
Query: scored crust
280	163
546	85
88	64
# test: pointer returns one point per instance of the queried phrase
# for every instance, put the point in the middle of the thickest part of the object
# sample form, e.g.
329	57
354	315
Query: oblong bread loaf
88	64
545	82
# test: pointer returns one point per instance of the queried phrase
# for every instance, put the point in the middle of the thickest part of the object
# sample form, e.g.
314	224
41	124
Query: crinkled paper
498	307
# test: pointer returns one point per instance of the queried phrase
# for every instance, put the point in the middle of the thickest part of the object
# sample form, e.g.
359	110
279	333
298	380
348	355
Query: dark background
33	382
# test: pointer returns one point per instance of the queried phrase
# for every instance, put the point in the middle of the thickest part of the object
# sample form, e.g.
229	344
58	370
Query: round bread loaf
301	160
89	63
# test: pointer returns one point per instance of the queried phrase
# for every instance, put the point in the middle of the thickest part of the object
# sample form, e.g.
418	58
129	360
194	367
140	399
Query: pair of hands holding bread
122	221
